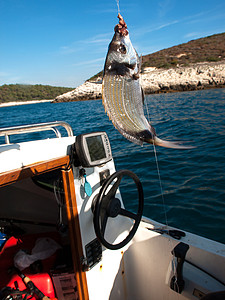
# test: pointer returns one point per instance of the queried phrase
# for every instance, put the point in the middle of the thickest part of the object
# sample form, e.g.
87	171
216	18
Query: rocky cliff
196	76
87	91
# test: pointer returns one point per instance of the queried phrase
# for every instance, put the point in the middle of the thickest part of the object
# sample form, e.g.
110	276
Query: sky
64	42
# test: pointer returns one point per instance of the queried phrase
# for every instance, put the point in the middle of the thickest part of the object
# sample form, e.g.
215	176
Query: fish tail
168	144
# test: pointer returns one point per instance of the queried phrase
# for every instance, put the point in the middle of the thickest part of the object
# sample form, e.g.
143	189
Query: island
18	94
198	64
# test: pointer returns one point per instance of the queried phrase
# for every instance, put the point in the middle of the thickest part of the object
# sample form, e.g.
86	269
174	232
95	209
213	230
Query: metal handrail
36	128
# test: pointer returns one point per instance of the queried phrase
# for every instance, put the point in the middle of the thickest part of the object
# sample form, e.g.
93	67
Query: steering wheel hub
113	208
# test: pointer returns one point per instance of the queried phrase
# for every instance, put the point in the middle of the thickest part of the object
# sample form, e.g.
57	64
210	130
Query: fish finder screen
96	147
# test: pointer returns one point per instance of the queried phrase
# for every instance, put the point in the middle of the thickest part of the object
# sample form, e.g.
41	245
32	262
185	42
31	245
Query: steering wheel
107	205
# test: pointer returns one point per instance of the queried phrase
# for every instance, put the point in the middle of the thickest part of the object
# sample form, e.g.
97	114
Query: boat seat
214	296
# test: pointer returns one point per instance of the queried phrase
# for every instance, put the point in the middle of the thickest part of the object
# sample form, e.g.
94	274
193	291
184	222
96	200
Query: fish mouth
121	28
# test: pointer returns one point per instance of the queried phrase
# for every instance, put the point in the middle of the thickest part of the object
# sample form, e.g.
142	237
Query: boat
66	233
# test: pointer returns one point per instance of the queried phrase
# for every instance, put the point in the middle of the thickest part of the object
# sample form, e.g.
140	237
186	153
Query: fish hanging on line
122	94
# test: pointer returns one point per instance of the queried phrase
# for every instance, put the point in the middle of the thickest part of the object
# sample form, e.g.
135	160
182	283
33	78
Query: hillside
207	49
21	92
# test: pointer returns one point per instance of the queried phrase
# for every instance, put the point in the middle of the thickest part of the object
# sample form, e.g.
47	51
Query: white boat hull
142	269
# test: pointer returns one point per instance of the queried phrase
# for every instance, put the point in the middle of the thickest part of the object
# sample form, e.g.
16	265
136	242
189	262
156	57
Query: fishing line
160	184
118	5
158	171
173	262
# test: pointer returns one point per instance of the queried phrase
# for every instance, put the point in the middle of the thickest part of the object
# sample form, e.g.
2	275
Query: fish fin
143	96
169	144
139	71
103	95
139	62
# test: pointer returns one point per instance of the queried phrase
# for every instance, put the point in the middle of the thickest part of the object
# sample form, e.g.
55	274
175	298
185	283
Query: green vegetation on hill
23	92
207	49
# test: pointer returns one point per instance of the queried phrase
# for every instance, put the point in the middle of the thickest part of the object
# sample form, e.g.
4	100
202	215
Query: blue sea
193	181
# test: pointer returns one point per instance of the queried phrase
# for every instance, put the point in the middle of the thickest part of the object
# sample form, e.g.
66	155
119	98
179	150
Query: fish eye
122	49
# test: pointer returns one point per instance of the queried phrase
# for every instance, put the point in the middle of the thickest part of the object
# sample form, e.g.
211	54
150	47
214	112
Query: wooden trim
75	235
13	176
32	170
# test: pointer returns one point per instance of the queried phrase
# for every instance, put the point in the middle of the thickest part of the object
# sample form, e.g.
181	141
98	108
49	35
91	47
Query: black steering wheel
107	205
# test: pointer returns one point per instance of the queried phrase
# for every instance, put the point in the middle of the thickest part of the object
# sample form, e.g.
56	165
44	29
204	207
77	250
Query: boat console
33	206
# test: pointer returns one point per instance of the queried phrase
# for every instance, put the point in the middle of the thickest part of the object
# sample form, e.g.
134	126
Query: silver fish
122	94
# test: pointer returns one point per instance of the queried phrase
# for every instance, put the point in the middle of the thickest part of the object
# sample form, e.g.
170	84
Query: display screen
96	147
92	149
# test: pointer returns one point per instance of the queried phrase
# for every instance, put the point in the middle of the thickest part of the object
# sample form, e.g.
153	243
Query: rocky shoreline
153	80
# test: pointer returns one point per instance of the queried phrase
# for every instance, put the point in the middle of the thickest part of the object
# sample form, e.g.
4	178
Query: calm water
193	180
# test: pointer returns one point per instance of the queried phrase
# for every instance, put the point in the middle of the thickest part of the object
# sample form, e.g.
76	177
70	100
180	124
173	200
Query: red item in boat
42	281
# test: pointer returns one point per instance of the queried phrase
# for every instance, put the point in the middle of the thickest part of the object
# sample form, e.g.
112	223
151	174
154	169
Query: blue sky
64	42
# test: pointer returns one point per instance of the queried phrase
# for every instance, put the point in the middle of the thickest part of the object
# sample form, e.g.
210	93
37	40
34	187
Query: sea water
193	180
